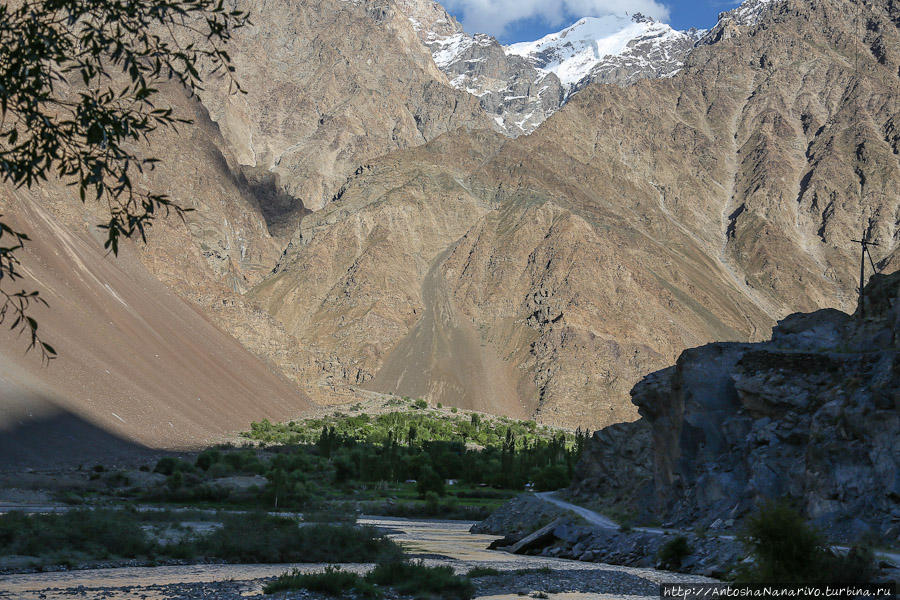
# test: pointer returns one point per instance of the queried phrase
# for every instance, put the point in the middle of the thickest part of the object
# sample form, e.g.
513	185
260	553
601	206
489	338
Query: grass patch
333	581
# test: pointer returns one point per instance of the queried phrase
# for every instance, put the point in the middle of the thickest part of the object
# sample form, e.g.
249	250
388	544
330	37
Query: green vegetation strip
407	578
251	538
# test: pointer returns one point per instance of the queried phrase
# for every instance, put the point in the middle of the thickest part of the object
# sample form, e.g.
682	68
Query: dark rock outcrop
810	416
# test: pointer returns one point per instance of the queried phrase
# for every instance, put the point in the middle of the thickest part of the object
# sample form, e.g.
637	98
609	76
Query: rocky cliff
811	416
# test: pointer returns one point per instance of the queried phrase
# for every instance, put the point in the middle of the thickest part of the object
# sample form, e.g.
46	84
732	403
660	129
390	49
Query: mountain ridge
586	259
520	85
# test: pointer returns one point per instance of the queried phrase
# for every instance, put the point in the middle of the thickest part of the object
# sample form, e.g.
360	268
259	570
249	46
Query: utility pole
864	243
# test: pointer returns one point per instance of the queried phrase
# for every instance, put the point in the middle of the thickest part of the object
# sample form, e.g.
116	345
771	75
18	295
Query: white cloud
493	16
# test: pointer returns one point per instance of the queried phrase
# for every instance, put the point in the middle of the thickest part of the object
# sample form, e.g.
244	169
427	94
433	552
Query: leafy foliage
77	87
265	538
785	548
431	446
673	553
251	537
95	533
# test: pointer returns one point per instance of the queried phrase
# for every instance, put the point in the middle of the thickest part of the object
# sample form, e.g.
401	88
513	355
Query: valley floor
436	542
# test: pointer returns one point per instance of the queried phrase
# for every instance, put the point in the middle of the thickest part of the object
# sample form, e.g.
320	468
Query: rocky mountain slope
147	353
521	85
810	416
330	85
548	274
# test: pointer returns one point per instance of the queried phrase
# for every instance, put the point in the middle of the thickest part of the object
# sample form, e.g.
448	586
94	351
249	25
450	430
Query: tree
77	90
430	481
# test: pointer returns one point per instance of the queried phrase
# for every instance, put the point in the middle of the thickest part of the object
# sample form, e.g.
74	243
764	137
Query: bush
551	478
208	458
432	502
429	481
673	553
421	404
784	547
424	582
787	549
269	539
95	533
332	581
856	567
169	465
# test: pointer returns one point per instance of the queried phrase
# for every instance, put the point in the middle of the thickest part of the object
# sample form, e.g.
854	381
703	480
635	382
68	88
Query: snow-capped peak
574	51
521	85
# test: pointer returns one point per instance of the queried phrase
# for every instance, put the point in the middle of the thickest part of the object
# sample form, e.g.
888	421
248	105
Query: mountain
330	85
523	84
517	96
140	364
361	226
160	348
594	48
547	274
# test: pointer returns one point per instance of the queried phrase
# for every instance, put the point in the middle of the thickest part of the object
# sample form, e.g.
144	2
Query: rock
539	539
733	424
568	533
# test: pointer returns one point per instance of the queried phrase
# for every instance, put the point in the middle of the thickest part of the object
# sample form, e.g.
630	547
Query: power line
862	272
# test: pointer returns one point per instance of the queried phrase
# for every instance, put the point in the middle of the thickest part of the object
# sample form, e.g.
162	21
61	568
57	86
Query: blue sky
520	20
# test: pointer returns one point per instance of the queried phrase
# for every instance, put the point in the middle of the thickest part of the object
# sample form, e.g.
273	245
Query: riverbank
435	542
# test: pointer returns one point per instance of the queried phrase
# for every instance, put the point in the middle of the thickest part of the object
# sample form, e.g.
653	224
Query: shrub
673	553
169	465
787	549
218	470
96	533
421	404
432	502
416	578
208	458
857	566
175	480
332	581
429	481
551	478
269	539
784	547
